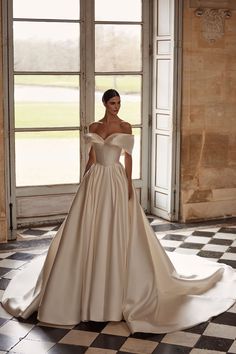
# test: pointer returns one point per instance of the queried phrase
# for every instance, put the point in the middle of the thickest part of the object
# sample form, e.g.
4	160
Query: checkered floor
218	336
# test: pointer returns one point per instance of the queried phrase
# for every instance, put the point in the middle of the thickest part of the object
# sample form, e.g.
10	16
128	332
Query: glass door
121	44
61	59
46	101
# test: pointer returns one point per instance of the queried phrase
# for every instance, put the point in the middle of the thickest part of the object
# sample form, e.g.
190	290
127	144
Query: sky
120	10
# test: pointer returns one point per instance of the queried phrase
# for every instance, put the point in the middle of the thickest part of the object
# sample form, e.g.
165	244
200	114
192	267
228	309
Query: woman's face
113	105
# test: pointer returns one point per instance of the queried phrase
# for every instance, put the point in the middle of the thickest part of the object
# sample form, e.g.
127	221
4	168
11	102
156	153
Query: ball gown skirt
106	264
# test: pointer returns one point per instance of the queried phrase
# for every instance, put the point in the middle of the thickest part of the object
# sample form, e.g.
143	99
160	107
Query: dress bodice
108	150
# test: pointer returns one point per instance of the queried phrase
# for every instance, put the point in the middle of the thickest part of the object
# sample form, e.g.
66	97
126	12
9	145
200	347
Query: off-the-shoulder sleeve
124	141
90	138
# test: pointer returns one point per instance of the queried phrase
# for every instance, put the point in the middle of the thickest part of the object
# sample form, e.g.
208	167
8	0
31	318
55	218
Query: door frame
171	194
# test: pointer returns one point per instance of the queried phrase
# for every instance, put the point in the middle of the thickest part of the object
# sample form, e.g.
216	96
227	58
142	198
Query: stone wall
3	217
208	148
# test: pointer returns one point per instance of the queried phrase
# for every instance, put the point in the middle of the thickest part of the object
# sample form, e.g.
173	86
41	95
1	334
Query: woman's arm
91	160
92	156
128	170
128	160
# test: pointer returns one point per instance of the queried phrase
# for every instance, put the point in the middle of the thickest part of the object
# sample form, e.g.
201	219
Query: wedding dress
106	264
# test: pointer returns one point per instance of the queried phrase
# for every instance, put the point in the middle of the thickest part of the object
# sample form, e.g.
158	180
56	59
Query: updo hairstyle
109	94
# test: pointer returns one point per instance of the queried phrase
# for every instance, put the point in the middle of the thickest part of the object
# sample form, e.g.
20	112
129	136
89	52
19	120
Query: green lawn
124	83
36	115
67	114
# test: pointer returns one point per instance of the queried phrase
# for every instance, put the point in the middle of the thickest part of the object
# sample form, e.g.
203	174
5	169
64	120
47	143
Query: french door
59	61
166	93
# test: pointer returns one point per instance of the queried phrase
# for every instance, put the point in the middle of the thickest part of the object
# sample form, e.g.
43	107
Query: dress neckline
109	136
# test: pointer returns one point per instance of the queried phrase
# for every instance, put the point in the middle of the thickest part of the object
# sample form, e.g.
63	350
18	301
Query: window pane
52	9
46	101
136	166
124	10
129	87
46	46
44	158
118	48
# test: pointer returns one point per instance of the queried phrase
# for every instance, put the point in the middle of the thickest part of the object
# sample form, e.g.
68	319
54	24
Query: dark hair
109	94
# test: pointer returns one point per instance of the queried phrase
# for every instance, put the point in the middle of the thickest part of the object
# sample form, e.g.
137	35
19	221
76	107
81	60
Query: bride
105	262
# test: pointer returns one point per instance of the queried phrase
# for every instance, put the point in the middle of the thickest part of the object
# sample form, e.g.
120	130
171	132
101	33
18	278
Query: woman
106	264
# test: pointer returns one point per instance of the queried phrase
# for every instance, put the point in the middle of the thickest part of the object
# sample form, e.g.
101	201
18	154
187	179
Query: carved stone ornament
213	22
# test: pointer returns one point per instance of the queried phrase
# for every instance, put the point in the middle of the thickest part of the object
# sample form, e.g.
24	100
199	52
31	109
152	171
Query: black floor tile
108	341
164	348
4	283
192	245
47	334
4	271
228	230
34	232
20	256
6	342
91	326
210	254
148	336
31	320
174	237
170	249
226	318
219	241
15	245
231	250
214	343
228	262
203	233
164	227
67	349
199	329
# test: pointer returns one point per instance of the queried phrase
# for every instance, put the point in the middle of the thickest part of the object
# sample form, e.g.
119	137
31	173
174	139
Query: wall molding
213	22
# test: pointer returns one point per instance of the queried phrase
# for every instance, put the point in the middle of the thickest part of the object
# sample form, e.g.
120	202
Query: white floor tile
205	351
211	229
12	263
230	256
232	349
225	236
170	243
138	346
30	347
220	330
117	329
215	248
4	314
181	338
186	251
198	239
1	294
16	329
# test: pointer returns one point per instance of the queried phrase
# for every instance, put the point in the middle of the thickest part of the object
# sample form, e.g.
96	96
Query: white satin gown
106	264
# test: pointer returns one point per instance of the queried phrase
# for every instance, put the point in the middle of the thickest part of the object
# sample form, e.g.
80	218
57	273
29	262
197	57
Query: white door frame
167	51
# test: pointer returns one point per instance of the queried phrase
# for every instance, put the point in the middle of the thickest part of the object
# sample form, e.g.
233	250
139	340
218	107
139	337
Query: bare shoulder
93	127
126	127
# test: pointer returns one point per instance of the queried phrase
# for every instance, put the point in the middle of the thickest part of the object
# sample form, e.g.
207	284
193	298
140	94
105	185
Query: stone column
208	127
